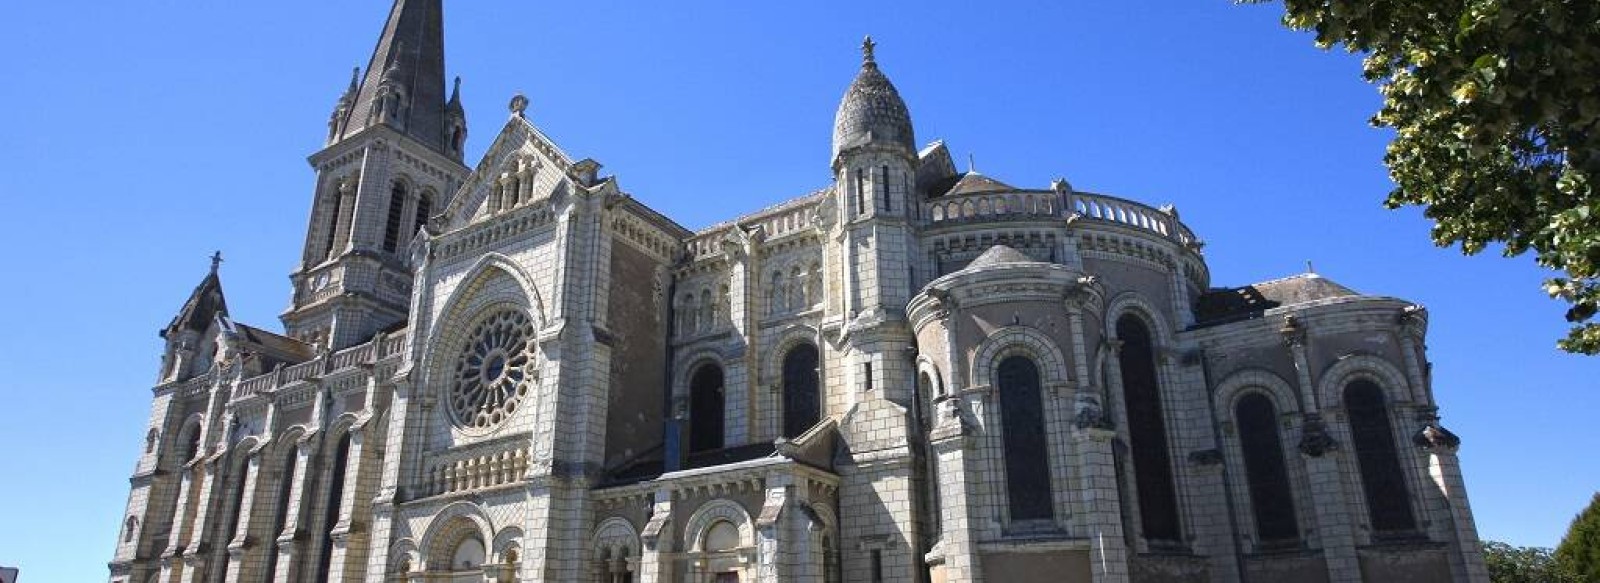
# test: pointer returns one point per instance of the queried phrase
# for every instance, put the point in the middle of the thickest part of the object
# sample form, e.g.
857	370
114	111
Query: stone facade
518	372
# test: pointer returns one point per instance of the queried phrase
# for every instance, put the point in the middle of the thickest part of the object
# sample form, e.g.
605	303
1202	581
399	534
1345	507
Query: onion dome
871	111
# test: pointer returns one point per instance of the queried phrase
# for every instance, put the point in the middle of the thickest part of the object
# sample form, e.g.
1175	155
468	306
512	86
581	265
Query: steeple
404	83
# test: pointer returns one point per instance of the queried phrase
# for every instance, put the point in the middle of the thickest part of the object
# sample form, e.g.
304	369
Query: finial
216	261
972	163
1309	267
455	91
355	77
866	50
519	105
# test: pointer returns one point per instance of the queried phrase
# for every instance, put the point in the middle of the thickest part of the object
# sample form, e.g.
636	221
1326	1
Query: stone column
952	443
652	558
1466	555
780	544
1108	552
289	540
239	545
1334	525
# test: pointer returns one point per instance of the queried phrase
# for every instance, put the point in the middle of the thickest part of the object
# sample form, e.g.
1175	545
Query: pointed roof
871	111
203	305
410	52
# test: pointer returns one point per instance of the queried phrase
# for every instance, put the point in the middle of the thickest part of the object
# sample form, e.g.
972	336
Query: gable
522	165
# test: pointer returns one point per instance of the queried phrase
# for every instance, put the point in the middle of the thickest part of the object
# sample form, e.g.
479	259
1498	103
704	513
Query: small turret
872	113
455	122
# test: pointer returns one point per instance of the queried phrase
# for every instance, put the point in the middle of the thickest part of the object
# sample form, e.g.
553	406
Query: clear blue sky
141	136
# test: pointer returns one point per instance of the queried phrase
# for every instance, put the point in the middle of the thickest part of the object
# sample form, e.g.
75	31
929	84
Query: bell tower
392	159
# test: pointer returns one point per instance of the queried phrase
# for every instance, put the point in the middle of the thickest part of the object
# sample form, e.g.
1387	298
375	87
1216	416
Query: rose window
492	374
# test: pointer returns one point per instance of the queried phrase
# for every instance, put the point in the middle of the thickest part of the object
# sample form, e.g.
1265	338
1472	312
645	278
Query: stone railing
704	245
782	224
461	474
1036	205
1116	210
992	206
384	346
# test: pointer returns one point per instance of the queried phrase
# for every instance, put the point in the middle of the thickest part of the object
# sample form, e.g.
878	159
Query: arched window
802	402
191	447
424	212
1022	417
335	206
335	499
150	441
708	311
1388	502
241	479
705	408
1270	495
883	188
691	315
814	288
129	528
280	512
396	216
776	296
861	194
797	289
469	554
1147	432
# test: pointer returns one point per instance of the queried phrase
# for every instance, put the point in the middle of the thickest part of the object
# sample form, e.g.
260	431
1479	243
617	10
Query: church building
518	371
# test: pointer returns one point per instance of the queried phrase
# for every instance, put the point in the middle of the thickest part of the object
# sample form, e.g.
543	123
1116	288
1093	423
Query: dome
871	111
999	255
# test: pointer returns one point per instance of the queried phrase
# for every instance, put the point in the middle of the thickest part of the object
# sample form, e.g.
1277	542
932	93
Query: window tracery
493	371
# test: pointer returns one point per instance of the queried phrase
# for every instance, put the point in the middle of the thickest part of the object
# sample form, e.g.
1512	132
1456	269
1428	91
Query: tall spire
404	83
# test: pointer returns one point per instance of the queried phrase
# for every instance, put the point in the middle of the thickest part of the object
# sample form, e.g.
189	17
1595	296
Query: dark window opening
337	206
888	203
706	409
1271	497
424	209
236	504
866	375
802	401
397	209
877	566
1147	432
280	513
1382	479
1026	455
335	490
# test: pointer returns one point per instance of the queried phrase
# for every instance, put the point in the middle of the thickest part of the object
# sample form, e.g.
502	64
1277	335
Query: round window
492	375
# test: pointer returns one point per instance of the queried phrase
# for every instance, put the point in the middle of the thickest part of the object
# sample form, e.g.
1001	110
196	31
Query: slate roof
1223	305
412	43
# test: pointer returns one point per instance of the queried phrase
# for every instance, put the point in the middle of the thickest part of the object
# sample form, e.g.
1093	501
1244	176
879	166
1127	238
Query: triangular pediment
520	154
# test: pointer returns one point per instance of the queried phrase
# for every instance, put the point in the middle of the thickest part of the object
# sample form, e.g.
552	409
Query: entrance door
727	578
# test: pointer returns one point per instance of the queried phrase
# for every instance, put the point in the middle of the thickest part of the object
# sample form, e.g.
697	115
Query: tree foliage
1579	551
1509	564
1496	113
